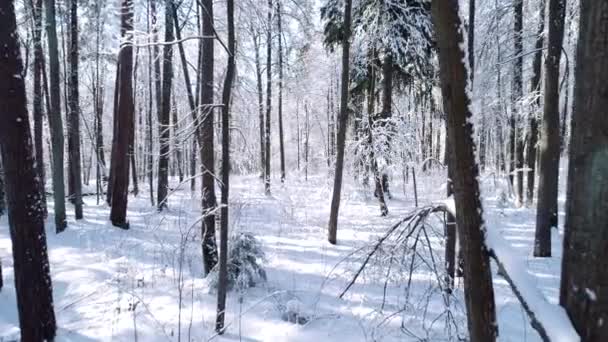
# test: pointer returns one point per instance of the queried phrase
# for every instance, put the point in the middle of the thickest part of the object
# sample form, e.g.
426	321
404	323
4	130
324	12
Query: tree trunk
268	100
230	74
546	214
124	121
38	97
74	160
532	138
481	312
258	73
516	97
281	135
371	106
387	110
2	202
164	121
342	125
207	145
55	120
23	189
584	278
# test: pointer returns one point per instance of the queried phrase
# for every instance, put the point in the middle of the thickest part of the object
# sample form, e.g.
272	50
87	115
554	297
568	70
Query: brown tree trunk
164	121
2	202
230	74
74	160
479	295
23	189
584	290
207	132
55	120
371	106
546	214
38	96
124	121
258	73
268	100
516	97
532	137
281	135
342	125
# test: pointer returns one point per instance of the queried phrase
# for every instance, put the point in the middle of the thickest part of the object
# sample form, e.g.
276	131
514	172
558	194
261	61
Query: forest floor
145	284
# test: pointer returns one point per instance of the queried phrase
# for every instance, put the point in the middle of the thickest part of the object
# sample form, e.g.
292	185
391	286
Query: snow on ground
145	284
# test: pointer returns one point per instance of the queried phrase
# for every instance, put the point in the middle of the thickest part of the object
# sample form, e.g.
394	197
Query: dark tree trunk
38	96
532	138
584	293
471	41
74	160
516	96
268	100
281	136
124	121
55	119
2	202
177	145
342	125
230	74
23	190
207	145
192	102
371	106
152	76
387	109
164	121
546	214
479	295
258	73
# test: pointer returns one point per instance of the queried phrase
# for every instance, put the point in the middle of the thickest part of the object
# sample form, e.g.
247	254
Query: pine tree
549	148
585	260
208	146
23	190
55	119
226	96
124	121
345	34
74	157
480	305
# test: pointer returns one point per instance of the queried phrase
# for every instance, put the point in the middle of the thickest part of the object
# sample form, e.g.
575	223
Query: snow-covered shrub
293	313
245	263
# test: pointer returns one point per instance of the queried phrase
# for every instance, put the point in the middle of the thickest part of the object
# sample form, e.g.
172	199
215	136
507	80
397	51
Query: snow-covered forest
314	170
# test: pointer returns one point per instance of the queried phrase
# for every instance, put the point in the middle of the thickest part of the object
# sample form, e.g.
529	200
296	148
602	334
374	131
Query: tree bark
516	97
481	312
258	73
584	291
55	120
546	214
387	110
281	135
38	96
268	100
342	125
23	189
207	131
532	138
230	74
2	202
124	121
164	121
74	159
371	106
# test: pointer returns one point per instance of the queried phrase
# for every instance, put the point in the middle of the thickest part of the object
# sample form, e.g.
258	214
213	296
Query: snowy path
119	285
